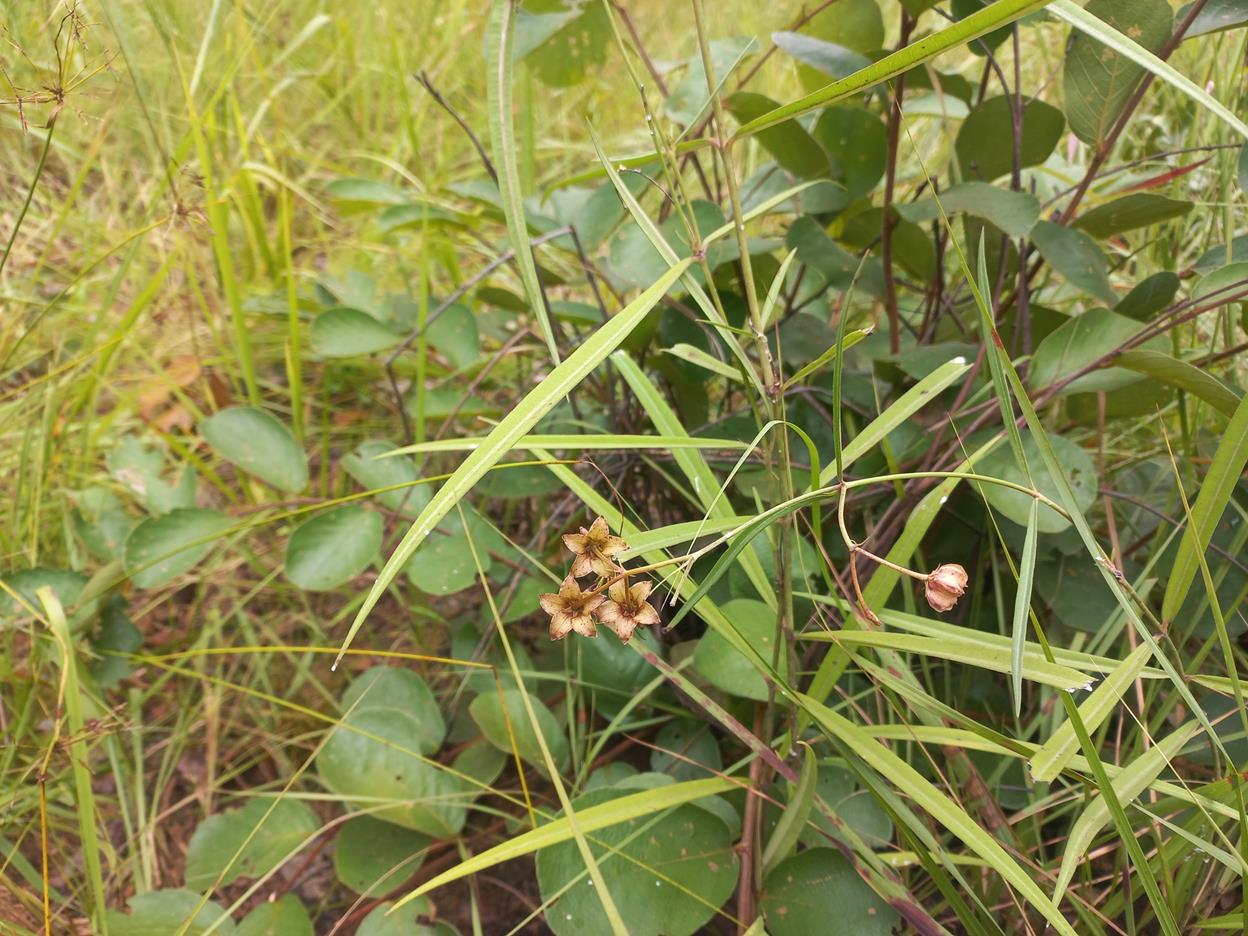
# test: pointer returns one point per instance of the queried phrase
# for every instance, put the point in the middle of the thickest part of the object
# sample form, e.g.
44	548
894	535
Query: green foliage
776	326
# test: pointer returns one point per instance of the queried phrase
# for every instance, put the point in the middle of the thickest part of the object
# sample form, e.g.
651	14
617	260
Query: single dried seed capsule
944	585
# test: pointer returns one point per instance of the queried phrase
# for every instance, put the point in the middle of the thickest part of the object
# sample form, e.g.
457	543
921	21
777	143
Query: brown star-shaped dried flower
627	609
571	610
594	548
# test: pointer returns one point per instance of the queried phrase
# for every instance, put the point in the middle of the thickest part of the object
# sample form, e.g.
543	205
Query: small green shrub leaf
286	916
1137	210
220	852
500	726
374	857
723	665
160	549
332	548
818	891
343	333
161	912
985	145
1080	473
256	442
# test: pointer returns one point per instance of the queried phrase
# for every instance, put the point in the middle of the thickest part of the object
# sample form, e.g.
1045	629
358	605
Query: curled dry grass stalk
343	367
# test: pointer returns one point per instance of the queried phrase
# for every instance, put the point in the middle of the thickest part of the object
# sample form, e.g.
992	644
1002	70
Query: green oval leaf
1079	471
256	442
985	142
377	753
1076	256
367	466
332	548
1098	80
342	333
725	666
688	847
487	710
286	916
279	828
374	857
161	912
1137	210
818	891
160	549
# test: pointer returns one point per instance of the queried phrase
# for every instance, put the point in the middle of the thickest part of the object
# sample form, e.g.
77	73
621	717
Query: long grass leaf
1022	605
513	427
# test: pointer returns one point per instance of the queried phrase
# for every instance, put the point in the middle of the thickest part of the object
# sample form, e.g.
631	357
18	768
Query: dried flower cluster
623	608
944	585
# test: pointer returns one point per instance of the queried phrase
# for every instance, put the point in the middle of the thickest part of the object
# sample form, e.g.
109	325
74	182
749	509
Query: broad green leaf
522	417
789	144
116	636
1129	212
286	916
942	809
160	549
374	857
1079	342
854	24
388	919
499	39
685	749
66	584
368	467
247	842
971	651
1098	80
454	334
1220	285
1012	212
364	194
562	45
1170	370
413	215
590	819
1125	44
256	442
1149	296
723	665
688	100
789	827
445	564
140	468
1215	493
508	728
857	142
977	24
332	548
1130	783
668	879
101	521
1076	256
985	145
1215	16
1022	605
820	58
1078	471
162	912
1063	744
634	258
376	754
342	333
818	891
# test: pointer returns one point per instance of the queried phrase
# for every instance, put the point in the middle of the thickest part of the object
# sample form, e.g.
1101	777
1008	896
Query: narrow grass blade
901	409
590	819
500	66
1215	493
513	427
979	23
939	806
578	443
772	302
1129	784
792	820
965	650
700	358
1022	606
1057	752
1102	32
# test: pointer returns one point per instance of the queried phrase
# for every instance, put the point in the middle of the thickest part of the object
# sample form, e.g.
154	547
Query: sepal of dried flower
627	608
594	549
571	610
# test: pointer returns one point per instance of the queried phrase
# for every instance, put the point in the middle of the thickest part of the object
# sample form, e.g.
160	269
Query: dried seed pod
944	585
